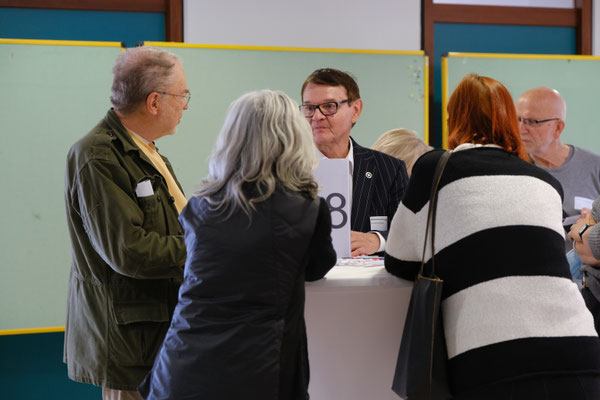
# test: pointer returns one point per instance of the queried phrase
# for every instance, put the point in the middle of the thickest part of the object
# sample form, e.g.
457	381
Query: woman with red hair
516	326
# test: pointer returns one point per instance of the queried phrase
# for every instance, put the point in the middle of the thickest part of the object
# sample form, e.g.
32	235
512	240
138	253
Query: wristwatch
582	230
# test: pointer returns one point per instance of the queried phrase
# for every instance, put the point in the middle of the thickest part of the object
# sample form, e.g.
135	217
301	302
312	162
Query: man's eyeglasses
329	108
534	122
187	96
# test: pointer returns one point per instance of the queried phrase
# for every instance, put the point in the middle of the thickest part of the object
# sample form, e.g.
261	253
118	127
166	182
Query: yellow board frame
321	50
60	42
444	65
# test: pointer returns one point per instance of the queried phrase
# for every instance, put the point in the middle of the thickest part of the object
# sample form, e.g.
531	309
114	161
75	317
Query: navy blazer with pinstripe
378	184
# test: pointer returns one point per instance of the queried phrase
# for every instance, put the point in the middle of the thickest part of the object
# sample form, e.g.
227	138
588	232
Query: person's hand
585	212
363	244
583	249
573	234
589	219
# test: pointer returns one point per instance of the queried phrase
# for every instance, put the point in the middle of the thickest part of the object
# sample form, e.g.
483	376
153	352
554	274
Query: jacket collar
360	151
120	132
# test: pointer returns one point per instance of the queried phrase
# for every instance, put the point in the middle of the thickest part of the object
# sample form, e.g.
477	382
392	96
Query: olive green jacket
128	257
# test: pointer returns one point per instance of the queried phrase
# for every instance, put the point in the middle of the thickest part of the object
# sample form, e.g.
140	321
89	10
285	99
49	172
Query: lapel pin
369	175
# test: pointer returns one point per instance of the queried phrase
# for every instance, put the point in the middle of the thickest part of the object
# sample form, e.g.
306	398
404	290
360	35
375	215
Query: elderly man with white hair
123	201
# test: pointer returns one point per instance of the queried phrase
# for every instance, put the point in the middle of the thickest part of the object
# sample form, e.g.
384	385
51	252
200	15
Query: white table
354	320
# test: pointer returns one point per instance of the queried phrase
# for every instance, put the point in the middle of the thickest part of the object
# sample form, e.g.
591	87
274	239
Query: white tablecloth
354	319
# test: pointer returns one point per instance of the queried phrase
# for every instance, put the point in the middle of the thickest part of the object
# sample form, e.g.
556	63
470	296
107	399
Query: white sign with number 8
333	176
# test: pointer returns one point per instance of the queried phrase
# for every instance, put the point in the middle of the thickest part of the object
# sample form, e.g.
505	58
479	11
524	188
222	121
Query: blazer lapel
363	177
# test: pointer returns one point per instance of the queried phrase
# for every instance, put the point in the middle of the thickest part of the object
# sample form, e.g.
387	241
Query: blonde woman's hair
403	144
265	141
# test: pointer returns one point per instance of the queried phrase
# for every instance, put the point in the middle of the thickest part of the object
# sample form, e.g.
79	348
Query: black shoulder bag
421	369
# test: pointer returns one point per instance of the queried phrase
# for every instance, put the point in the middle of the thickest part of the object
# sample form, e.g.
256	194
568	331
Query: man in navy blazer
331	103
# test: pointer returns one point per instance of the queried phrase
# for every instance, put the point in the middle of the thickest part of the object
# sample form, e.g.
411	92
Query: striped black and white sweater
510	309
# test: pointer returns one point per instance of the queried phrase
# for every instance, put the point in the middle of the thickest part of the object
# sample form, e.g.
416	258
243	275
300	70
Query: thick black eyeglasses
187	96
329	108
535	122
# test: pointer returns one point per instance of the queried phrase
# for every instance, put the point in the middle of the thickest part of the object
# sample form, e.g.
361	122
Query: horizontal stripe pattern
507	298
533	251
459	212
484	161
527	257
522	358
514	308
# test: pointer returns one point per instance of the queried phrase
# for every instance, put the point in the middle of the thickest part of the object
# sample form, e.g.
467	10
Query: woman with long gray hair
255	231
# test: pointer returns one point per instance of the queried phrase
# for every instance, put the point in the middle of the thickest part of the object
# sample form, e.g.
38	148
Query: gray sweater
579	176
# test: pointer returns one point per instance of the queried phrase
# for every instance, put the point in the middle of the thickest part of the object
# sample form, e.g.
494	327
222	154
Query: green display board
575	77
392	86
55	92
52	93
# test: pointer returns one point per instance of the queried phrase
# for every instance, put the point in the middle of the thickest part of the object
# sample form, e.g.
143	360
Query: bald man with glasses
542	114
332	105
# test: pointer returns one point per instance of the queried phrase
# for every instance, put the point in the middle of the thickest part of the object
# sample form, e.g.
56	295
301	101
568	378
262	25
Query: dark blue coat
238	331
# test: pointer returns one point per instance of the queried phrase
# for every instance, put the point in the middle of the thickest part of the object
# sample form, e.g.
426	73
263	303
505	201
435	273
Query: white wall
350	24
595	29
353	24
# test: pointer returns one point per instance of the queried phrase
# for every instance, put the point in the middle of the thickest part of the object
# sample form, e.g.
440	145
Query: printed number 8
339	209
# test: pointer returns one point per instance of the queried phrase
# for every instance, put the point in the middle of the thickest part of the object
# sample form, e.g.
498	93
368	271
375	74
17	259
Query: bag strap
437	177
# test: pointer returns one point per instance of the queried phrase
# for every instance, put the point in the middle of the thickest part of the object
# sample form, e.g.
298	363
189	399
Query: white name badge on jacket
379	223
